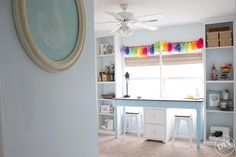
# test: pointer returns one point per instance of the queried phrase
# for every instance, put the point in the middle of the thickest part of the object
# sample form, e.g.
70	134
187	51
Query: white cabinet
219	56
157	124
107	65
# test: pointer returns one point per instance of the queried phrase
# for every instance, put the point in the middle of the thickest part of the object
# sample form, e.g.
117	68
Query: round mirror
52	32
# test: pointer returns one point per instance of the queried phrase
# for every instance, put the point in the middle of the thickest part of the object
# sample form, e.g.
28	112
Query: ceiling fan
126	22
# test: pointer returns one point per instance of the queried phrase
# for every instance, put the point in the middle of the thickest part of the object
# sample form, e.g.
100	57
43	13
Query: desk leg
124	120
119	118
116	123
199	127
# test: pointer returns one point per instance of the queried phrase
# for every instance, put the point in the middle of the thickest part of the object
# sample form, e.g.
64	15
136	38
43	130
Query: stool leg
173	132
190	130
176	126
139	124
191	126
124	124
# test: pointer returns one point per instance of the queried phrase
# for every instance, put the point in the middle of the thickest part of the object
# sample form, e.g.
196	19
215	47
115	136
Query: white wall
46	114
172	34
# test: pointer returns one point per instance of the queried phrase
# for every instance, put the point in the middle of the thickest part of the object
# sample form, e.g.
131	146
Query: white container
225	95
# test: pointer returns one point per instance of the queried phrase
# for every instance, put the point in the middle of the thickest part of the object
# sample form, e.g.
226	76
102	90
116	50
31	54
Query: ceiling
175	12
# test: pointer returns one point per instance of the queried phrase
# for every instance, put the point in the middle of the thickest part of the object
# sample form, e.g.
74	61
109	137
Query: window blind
185	58
142	61
172	59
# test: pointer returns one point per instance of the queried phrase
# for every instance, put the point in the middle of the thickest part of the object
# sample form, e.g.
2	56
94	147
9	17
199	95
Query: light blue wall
172	33
46	114
234	74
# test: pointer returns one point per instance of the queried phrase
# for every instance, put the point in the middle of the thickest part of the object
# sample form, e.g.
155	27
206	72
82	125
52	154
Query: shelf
106	131
101	56
223	47
104	99
219	111
210	143
106	114
108	82
220	81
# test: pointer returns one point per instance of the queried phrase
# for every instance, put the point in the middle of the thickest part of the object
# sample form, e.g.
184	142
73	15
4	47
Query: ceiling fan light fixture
125	31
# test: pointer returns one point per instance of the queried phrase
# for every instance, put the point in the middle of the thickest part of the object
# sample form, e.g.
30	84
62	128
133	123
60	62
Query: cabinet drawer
154	116
154	131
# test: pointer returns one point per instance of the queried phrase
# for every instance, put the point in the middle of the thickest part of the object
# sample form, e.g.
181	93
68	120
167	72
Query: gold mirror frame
25	36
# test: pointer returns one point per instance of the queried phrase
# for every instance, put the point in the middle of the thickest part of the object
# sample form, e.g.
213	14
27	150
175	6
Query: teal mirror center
54	26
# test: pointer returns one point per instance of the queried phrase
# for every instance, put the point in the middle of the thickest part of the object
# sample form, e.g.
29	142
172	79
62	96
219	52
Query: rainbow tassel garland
168	47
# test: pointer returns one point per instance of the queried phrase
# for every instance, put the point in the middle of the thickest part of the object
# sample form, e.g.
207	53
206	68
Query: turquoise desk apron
120	103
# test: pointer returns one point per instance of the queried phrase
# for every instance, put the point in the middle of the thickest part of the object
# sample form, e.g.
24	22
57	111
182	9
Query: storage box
106	77
226	42
212	35
225	35
212	43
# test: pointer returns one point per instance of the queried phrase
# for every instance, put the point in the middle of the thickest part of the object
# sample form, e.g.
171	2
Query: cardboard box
225	35
212	43
226	42
212	35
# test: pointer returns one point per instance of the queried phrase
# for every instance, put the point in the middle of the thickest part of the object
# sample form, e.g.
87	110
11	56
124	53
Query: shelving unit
219	56
110	86
219	81
219	111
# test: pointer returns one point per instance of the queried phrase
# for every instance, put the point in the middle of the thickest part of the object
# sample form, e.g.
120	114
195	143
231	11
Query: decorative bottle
213	72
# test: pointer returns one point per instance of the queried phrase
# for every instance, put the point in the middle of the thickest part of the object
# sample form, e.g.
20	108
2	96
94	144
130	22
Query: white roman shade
167	59
142	61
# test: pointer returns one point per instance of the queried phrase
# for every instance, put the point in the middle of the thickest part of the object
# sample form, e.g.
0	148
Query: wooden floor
132	146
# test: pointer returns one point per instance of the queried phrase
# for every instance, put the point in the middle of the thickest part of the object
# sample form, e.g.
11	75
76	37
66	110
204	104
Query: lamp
127	79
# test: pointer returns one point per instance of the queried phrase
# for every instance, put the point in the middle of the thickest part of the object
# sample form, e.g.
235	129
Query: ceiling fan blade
116	16
115	29
150	18
106	22
145	26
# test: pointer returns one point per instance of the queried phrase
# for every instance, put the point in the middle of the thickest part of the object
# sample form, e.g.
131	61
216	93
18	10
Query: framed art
105	108
52	32
214	100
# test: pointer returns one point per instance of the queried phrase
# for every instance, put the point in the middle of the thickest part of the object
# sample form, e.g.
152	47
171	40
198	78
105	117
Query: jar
225	95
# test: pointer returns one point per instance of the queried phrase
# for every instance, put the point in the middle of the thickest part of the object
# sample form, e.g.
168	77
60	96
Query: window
144	81
177	76
182	80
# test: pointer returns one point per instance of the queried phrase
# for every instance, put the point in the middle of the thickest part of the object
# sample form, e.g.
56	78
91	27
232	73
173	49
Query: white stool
188	119
129	117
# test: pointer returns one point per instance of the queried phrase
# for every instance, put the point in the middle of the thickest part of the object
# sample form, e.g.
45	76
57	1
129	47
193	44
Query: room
142	65
155	80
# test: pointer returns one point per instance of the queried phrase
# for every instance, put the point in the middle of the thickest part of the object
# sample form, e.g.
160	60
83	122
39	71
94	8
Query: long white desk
197	104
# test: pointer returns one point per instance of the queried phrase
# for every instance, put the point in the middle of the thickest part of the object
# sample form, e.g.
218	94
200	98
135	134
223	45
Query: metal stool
188	119
129	117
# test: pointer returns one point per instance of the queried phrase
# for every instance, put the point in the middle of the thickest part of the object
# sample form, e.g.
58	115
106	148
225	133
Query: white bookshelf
99	99
106	114
219	81
108	82
109	132
101	56
219	111
107	87
222	47
219	56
